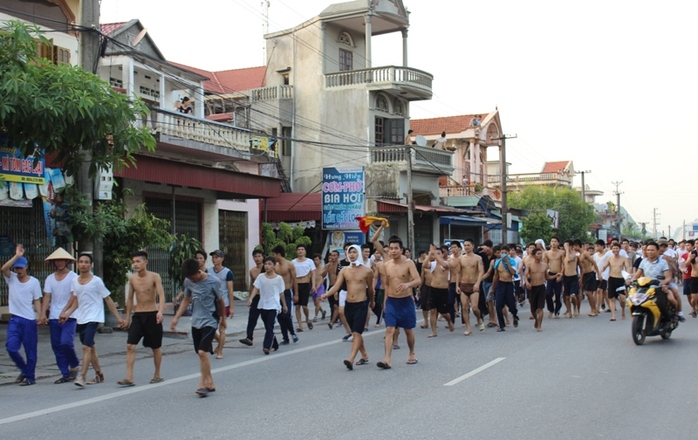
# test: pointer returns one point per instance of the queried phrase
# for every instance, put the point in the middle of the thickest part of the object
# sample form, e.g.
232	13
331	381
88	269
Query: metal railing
533	178
208	132
421	156
387	74
271	93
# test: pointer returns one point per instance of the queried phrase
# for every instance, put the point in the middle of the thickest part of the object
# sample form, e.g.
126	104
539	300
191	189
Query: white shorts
342	298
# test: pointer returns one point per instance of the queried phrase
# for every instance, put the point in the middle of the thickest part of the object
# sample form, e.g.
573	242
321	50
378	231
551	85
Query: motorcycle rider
655	267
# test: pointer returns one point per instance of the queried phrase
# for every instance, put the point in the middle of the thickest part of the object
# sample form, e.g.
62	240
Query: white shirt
304	267
61	292
270	291
90	300
601	260
23	295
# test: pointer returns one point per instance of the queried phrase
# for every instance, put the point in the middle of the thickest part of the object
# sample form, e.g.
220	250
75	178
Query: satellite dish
421	141
139	37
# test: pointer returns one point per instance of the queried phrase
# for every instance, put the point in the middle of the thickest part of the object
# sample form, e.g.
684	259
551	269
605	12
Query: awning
389	207
463	220
227	183
293	207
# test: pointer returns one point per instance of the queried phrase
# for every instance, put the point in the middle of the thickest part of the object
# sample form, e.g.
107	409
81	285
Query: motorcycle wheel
666	334
638	329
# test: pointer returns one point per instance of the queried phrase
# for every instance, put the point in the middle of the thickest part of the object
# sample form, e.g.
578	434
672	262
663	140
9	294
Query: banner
342	197
16	168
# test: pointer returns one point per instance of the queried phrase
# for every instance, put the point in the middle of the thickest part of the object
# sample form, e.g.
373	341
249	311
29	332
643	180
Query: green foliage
575	215
286	236
69	113
121	236
181	248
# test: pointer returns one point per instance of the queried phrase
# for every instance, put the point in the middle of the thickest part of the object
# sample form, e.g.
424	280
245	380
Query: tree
286	236
62	111
575	215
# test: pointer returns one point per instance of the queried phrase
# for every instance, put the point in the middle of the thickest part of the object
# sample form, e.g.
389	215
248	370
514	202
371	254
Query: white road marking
133	390
473	373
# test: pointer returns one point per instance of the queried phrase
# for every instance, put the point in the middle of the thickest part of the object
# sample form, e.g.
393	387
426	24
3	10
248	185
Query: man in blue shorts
400	277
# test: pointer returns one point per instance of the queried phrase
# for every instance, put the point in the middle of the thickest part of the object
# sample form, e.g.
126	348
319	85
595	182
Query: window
346	60
389	131
382	103
346	39
55	54
286	133
399	109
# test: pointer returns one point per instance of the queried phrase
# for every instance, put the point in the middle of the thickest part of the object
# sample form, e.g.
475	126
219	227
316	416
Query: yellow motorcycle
647	318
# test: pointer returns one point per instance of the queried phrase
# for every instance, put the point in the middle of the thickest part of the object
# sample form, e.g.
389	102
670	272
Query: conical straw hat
60	254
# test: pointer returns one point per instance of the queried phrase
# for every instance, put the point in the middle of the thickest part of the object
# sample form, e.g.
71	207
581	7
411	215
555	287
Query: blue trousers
285	320
269	317
504	296
252	318
554	291
23	333
62	343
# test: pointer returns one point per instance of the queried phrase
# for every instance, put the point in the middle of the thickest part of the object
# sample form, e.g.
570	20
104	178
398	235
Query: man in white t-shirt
25	304
89	296
226	278
58	288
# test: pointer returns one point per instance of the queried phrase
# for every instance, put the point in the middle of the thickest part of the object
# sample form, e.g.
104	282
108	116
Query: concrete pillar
369	31
404	47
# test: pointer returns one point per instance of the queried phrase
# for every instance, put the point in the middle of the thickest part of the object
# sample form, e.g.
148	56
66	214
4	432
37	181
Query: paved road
578	379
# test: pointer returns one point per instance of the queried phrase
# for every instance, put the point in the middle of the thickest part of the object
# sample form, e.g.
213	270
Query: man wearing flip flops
25	304
146	321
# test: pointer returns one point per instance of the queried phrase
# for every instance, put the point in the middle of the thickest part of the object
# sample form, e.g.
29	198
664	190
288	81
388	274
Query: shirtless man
468	279
439	289
591	276
692	270
554	260
330	271
400	278
503	285
570	278
537	273
359	281
600	255
254	313
456	250
486	252
616	279
318	286
287	271
303	285
145	286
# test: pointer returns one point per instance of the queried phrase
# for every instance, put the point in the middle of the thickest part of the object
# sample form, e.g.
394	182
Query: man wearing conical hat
58	289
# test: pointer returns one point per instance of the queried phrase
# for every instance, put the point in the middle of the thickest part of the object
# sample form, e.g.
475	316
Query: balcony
469	190
185	135
410	84
423	159
272	93
517	180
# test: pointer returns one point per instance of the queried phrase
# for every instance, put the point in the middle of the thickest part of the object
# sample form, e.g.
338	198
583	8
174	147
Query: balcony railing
468	190
532	179
208	132
388	74
422	158
272	93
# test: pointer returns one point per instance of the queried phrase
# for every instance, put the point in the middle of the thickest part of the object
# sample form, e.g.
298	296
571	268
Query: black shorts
613	285
424	294
694	285
203	338
589	282
355	314
438	299
602	285
536	297
87	333
144	325
571	284
303	295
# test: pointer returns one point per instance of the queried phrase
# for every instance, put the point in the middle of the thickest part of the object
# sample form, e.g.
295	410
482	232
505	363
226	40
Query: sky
610	85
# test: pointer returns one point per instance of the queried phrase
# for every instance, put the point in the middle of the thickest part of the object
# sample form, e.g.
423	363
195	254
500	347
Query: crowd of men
447	283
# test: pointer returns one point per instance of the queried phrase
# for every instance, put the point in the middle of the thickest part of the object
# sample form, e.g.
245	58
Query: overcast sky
608	84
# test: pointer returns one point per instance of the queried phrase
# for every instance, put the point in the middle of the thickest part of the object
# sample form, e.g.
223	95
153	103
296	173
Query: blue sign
342	198
16	168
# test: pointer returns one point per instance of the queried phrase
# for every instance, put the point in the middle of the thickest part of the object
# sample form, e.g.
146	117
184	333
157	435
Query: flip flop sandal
126	383
63	380
362	362
157	380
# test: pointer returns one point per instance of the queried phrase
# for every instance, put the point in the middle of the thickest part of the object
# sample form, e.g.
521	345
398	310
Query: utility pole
410	200
503	181
89	54
584	186
683	231
654	223
265	29
620	215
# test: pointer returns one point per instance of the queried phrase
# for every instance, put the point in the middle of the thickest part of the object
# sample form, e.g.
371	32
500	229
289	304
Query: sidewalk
111	347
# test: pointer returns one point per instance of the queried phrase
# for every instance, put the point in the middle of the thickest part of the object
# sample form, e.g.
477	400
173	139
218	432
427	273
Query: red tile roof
109	28
555	167
449	124
230	81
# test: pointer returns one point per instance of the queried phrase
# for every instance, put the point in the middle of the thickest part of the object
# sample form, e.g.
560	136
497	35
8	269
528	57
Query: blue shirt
204	296
654	270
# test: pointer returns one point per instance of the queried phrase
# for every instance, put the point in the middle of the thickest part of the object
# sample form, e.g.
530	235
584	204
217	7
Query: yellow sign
22	179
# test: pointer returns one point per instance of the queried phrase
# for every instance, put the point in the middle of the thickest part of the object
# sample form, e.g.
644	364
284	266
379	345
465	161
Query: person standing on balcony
186	106
25	304
440	142
408	138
